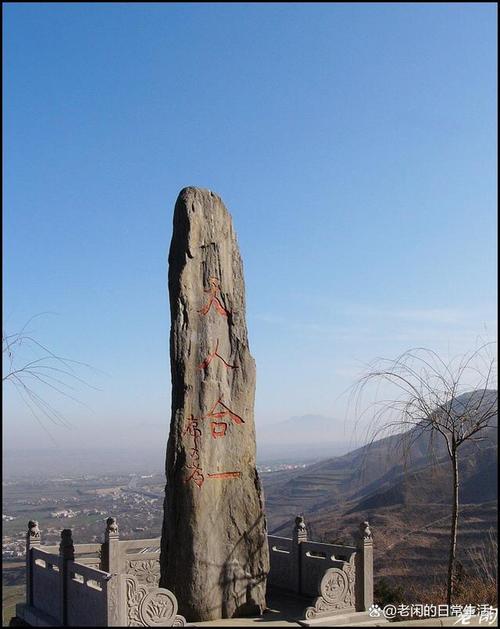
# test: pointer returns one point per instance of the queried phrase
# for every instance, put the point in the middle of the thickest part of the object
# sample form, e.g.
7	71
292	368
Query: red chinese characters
219	415
225	475
219	411
218	429
215	354
194	464
214	300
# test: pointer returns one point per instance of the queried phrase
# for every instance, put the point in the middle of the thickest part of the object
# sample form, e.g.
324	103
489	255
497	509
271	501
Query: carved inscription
225	475
194	453
215	354
219	410
214	301
217	413
218	429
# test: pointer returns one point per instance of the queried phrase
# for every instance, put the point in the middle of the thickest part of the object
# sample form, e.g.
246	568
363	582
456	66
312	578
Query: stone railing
338	579
114	584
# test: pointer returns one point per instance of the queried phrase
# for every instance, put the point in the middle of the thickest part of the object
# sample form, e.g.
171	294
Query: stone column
364	568
111	560
215	556
66	553
112	563
299	535
33	540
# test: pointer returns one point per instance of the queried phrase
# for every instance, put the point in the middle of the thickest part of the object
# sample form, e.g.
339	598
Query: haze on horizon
354	145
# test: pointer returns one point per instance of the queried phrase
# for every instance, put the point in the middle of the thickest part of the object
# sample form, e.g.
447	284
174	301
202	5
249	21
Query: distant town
83	502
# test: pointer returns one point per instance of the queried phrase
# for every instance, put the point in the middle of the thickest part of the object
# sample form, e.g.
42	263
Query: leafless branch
42	368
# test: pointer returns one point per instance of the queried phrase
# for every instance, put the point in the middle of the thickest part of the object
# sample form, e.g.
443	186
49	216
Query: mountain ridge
394	492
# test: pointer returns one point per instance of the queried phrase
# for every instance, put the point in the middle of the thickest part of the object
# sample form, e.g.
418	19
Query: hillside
406	498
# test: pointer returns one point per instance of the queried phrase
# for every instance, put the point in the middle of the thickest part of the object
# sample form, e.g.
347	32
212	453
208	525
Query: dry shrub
470	590
484	559
475	585
426	593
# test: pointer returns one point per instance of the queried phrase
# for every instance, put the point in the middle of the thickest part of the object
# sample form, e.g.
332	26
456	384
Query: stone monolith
214	556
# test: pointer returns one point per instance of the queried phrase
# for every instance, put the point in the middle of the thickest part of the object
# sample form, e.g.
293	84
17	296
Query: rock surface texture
215	555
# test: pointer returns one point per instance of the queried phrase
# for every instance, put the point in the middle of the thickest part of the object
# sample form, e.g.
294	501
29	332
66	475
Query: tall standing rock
215	556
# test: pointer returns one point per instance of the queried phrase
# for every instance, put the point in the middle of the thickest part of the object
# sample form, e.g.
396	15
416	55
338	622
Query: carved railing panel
45	581
86	595
146	571
336	592
150	606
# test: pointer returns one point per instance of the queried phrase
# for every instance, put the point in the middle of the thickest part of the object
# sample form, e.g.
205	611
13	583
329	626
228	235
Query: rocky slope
405	498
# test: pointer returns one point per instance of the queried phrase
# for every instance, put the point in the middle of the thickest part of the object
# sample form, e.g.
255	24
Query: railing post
33	540
299	535
66	553
364	568
111	554
112	563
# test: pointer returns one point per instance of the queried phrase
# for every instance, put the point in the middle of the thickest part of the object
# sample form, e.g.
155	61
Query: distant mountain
301	437
396	492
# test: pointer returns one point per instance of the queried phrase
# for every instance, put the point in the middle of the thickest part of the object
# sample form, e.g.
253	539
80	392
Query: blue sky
354	145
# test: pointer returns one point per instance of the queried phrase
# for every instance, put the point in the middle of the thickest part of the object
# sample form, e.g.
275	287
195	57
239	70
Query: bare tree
27	363
452	402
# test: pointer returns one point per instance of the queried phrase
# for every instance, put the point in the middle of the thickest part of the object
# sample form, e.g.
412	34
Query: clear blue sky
354	145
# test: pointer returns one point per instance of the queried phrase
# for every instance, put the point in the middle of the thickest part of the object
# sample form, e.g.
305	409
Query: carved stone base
336	593
150	606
